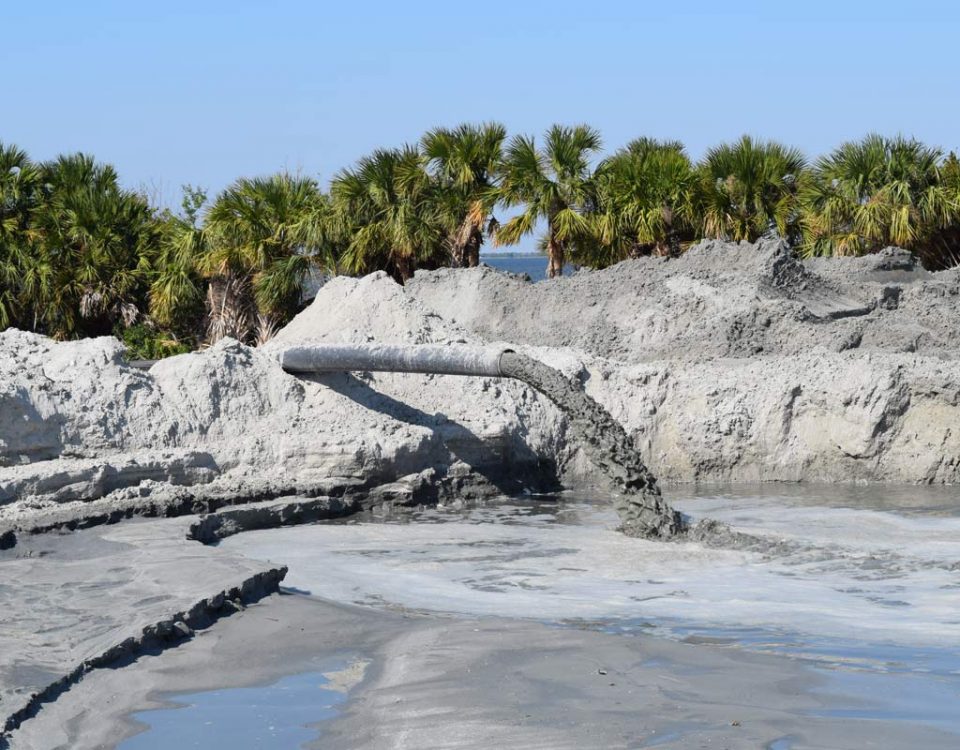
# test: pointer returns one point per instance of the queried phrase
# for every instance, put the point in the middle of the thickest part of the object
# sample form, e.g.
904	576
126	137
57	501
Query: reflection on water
928	698
868	583
259	718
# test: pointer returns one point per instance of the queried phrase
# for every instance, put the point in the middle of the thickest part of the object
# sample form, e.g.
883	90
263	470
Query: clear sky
202	92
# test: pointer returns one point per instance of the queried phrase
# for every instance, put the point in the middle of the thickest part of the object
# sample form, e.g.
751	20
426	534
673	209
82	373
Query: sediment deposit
102	597
731	363
742	363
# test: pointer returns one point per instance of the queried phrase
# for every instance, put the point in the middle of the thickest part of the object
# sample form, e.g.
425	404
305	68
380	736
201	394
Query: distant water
535	266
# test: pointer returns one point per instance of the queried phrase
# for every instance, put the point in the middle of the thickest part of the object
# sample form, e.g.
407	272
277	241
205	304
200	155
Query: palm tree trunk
457	253
472	250
671	247
465	250
405	267
555	257
229	308
673	242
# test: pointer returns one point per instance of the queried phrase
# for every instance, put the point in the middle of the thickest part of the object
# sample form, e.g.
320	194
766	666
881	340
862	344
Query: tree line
81	256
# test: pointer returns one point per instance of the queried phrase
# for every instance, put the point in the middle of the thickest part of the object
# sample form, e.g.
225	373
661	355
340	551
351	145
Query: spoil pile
77	423
717	300
735	362
738	362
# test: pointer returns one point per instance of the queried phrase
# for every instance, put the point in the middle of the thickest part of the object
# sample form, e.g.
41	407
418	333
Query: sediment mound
717	300
735	362
738	362
77	423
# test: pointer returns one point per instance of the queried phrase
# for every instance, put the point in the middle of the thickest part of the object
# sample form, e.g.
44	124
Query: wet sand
476	683
529	623
93	599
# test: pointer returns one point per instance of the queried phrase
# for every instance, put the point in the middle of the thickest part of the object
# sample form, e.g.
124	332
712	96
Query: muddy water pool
866	592
282	714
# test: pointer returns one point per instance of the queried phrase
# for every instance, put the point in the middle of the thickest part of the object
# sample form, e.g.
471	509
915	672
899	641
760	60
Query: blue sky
202	92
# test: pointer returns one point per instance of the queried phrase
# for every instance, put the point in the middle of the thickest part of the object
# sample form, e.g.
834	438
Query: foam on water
865	588
855	575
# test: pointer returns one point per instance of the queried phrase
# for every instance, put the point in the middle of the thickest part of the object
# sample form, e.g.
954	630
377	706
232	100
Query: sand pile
734	362
717	300
77	423
739	362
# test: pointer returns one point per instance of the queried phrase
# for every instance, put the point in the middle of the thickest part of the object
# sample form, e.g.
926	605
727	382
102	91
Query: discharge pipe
637	498
438	359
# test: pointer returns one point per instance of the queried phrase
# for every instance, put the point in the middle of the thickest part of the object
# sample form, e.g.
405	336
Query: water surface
867	590
276	716
535	266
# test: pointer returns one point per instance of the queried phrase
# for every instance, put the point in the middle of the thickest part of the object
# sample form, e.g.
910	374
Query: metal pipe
438	359
638	501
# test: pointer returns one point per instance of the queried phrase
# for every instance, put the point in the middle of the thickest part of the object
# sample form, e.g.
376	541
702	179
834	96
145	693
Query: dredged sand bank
733	363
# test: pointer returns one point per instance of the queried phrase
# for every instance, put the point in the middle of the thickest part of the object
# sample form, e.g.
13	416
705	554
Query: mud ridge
163	634
172	502
213	527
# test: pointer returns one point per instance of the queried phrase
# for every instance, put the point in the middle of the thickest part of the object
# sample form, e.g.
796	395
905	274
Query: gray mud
865	601
529	686
102	598
637	498
719	299
741	363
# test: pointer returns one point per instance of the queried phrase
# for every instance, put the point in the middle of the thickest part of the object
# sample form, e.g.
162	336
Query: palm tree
876	192
748	189
644	201
177	289
19	192
91	267
256	248
553	184
943	250
387	214
464	162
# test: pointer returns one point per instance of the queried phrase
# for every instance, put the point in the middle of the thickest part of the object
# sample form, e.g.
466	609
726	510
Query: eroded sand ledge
732	363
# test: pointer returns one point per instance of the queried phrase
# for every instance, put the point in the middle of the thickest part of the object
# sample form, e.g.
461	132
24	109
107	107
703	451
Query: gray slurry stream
637	497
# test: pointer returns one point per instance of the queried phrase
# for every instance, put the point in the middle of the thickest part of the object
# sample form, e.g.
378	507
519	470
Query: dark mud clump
643	511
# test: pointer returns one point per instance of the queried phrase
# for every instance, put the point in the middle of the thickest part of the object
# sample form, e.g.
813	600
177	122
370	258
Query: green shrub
145	342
